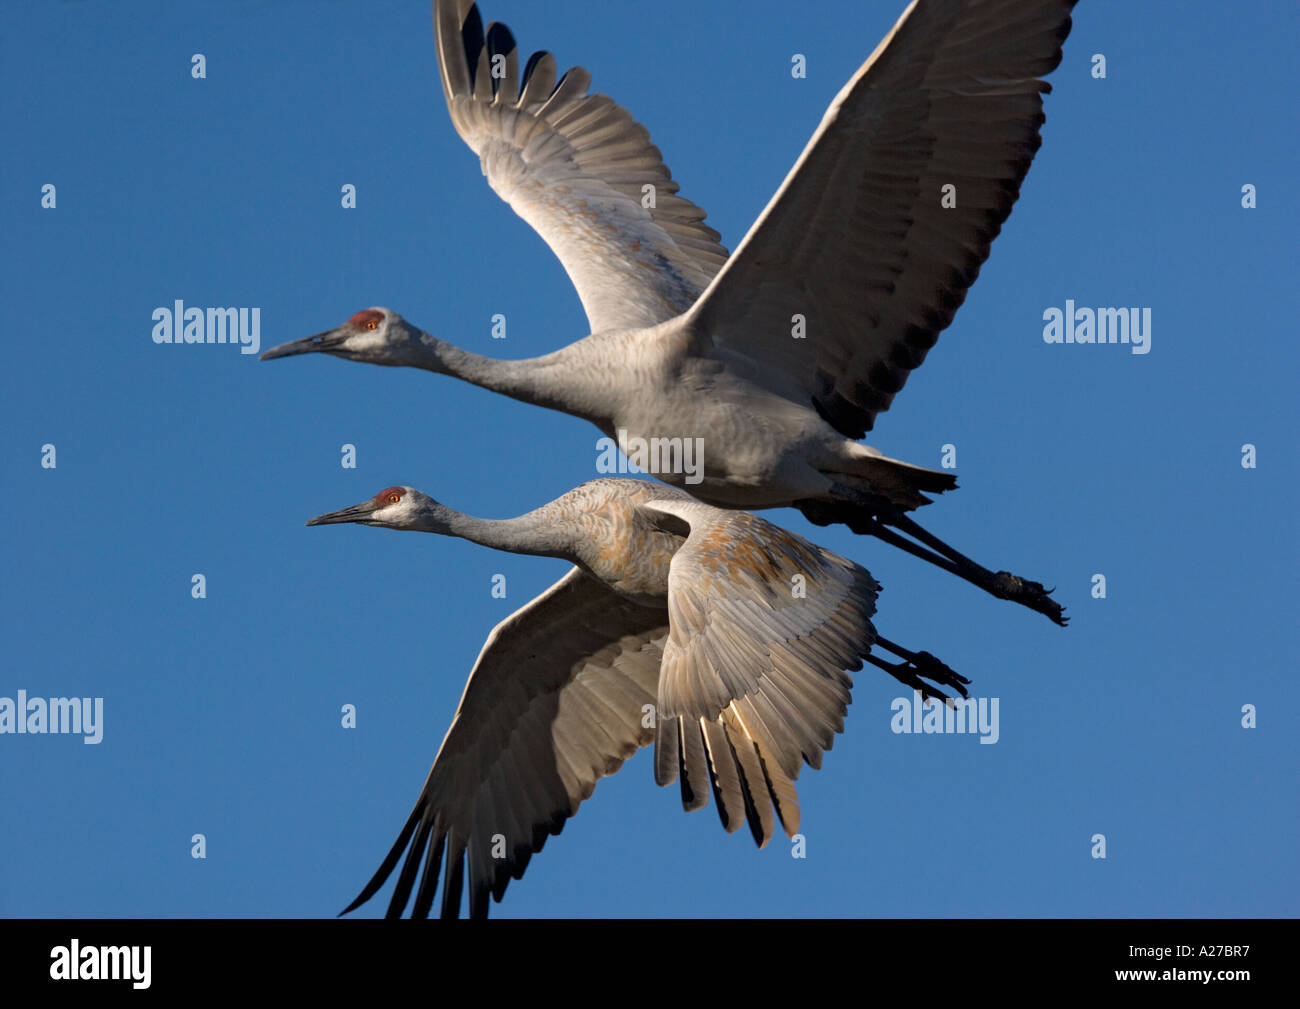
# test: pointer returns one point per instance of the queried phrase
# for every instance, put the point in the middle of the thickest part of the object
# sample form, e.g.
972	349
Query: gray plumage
724	640
781	356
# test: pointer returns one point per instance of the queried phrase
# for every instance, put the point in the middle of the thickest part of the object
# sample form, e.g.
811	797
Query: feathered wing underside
580	170
764	630
882	225
562	693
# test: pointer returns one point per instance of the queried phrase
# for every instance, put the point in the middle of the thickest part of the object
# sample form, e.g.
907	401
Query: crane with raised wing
776	359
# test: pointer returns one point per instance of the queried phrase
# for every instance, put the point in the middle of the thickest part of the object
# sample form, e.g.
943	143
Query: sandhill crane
721	638
779	358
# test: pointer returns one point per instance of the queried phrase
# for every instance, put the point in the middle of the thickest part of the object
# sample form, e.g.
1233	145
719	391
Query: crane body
724	641
779	356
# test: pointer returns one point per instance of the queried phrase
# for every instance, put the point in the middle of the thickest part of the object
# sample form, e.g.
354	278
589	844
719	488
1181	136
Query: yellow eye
372	324
394	498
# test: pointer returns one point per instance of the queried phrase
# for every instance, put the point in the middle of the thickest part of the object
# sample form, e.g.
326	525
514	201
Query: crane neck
532	533
543	381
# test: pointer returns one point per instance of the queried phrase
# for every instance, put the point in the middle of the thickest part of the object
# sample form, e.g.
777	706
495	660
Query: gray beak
322	343
357	513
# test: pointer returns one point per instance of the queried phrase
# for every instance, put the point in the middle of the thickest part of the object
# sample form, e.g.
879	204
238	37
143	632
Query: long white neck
555	381
533	533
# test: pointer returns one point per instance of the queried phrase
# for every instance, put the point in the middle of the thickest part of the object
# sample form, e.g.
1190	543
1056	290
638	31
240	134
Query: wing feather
553	704
728	791
763	626
576	166
858	239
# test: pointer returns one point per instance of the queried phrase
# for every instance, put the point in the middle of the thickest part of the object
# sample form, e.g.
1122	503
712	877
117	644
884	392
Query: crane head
375	335
392	508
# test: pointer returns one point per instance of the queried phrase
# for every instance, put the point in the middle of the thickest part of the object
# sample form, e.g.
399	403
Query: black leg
916	665
872	514
1002	584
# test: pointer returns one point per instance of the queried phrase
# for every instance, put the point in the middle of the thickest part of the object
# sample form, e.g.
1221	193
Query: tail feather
901	481
878	482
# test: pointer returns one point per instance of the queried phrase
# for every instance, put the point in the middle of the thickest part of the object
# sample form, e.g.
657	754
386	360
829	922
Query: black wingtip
406	878
471	34
390	861
530	66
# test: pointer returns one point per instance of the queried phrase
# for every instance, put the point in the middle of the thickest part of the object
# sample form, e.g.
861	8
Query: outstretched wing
580	170
556	701
763	626
864	239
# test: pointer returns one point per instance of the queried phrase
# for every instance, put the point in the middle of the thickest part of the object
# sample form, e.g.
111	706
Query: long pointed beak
357	513
322	343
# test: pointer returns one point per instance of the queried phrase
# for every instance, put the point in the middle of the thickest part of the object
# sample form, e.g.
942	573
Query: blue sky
222	715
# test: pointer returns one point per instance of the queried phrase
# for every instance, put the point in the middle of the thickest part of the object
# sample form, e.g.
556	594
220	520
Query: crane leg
1002	584
873	515
916	665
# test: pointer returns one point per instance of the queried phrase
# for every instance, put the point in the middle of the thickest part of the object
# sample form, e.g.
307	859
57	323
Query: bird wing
556	701
580	170
859	240
763	626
